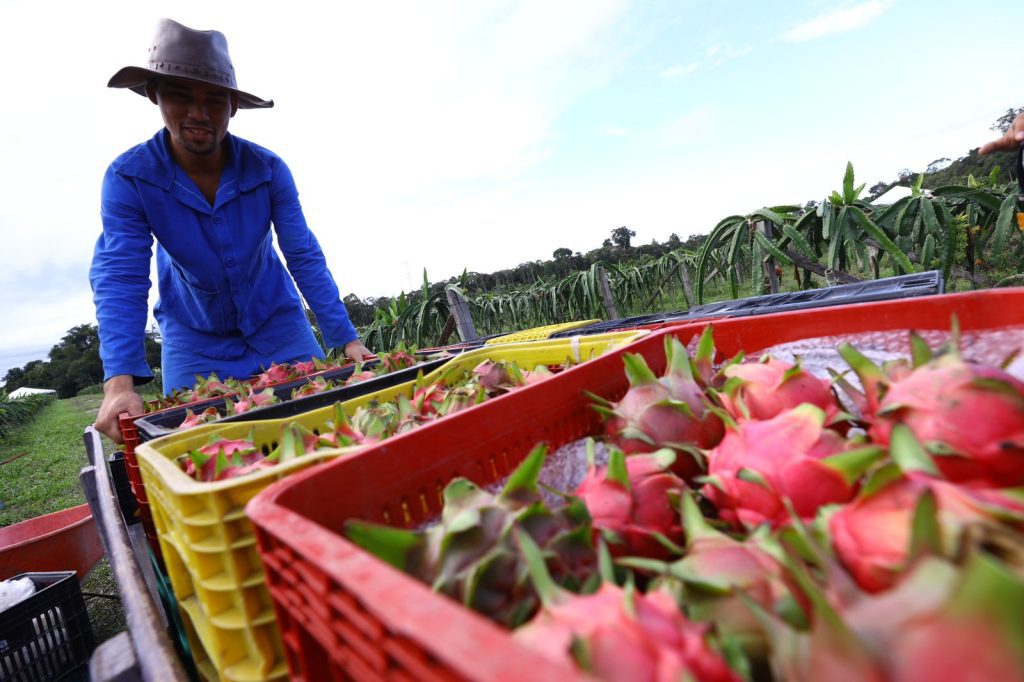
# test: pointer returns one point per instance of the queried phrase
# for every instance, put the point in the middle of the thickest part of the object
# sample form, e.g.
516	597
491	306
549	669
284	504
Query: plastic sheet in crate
345	613
48	635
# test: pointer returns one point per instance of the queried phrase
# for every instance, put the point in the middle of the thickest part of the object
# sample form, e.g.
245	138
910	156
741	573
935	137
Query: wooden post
684	274
606	295
463	322
768	265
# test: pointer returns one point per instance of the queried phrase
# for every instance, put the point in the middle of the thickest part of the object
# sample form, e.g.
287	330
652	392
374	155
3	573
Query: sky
480	135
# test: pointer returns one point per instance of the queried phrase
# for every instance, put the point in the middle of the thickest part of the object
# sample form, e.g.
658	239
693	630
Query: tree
673	241
562	253
621	236
1003	123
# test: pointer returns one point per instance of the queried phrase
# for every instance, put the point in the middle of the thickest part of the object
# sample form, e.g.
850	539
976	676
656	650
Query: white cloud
837	21
679	70
614	131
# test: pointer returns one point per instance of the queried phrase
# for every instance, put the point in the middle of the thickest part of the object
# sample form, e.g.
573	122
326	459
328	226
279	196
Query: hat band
194	71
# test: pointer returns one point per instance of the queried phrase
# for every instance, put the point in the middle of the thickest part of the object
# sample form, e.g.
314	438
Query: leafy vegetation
16	412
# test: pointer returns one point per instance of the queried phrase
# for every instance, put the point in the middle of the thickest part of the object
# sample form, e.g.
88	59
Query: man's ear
151	90
234	104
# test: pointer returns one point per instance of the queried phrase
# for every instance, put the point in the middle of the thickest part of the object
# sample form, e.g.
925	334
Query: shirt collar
152	162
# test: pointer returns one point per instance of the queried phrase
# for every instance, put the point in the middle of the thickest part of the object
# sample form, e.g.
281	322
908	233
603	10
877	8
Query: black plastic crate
888	288
47	636
165	423
123	487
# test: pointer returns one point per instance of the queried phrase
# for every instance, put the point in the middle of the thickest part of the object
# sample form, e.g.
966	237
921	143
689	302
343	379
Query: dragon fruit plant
472	554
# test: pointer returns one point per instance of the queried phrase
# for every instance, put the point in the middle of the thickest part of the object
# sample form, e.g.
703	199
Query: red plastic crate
130	435
345	614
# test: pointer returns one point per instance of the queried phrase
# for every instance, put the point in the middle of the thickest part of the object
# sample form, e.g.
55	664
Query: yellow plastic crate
208	543
538	333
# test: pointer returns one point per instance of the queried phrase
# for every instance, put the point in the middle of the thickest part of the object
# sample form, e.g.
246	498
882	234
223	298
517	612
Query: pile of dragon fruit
244	396
757	522
222	458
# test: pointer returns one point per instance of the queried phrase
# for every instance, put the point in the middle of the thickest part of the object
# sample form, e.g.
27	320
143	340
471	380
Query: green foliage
15	412
73	364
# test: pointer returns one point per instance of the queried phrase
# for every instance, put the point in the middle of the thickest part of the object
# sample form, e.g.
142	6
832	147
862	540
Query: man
227	303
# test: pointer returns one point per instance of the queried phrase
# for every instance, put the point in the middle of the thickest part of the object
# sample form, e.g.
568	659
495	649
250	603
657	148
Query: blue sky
480	135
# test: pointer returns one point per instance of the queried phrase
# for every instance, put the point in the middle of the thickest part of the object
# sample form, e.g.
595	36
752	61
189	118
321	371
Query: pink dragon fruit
360	375
764	389
718	576
761	464
630	502
312	387
426	399
251	401
208	415
401	357
211	461
672	412
872	535
616	634
276	374
971	417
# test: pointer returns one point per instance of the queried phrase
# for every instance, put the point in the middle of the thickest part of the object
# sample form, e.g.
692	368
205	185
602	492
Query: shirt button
218	221
230	262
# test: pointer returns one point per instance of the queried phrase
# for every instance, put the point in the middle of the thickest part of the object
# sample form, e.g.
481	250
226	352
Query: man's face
196	114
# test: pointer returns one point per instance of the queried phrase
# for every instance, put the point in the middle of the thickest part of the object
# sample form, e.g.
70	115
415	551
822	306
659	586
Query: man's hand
118	396
356	350
1008	142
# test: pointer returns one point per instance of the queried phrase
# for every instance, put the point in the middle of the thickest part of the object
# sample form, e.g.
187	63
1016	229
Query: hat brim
135	78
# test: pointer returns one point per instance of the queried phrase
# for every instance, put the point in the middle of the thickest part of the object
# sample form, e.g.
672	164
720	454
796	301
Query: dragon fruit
219	455
276	374
630	501
426	399
717	577
209	387
360	375
250	400
971	417
873	535
313	387
208	415
472	554
401	357
672	412
764	389
616	634
942	622
760	465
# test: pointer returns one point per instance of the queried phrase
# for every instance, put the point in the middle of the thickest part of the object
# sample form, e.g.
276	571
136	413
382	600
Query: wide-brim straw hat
181	52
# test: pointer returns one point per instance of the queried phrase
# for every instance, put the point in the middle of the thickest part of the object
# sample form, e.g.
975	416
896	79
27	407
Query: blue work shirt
224	291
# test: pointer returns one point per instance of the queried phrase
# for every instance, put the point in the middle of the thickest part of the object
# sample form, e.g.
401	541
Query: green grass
41	477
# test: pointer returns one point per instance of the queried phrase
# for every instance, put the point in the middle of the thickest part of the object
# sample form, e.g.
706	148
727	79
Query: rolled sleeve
306	262
120	279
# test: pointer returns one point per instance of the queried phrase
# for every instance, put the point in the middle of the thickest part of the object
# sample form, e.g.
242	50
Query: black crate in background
47	636
885	289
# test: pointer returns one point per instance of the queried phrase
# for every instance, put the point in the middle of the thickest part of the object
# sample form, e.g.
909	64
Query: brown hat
181	52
